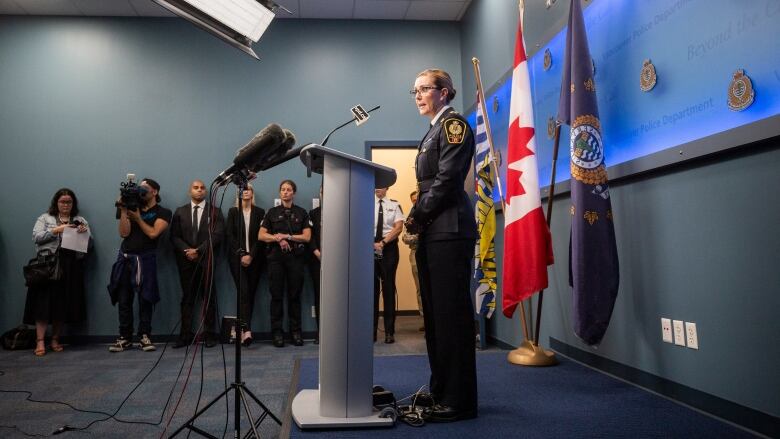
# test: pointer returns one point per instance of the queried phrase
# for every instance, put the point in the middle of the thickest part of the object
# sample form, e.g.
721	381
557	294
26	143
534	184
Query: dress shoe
182	341
246	338
444	413
211	340
278	340
297	339
389	339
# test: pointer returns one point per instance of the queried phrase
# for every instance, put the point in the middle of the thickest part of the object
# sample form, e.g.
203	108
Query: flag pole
550	197
494	162
539	356
533	355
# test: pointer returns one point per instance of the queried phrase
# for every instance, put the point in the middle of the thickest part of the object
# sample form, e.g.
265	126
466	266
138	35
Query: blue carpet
569	400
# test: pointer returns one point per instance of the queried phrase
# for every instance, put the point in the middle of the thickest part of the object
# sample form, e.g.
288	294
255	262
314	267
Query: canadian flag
527	242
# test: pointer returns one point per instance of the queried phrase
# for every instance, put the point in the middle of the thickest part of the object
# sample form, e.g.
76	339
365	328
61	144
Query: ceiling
441	10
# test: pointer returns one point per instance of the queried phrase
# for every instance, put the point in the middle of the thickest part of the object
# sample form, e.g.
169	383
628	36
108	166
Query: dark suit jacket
443	209
181	232
235	233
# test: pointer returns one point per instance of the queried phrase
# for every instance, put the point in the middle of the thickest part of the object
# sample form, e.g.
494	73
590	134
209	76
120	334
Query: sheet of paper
73	240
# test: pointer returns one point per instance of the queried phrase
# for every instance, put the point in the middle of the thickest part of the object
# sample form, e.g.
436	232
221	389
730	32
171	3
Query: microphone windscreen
264	142
289	139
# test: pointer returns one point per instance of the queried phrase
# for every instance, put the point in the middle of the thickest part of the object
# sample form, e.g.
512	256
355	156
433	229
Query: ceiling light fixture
237	22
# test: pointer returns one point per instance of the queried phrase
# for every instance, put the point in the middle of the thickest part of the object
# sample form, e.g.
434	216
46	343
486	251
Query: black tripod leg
249	392
248	412
188	423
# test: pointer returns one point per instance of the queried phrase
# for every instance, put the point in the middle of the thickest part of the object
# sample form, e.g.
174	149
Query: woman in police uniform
286	231
444	218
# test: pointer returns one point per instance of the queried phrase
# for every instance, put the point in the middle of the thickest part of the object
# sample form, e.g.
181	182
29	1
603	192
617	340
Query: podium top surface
313	156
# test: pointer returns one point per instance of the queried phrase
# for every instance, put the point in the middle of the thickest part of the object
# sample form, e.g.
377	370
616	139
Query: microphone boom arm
325	140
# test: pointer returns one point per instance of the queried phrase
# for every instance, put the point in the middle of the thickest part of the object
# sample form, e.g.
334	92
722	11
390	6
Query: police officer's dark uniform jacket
286	266
445	218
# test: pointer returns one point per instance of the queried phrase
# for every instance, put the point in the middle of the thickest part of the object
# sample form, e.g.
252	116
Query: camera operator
135	268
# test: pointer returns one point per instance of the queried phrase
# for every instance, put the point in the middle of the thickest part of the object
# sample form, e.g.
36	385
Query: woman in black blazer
246	254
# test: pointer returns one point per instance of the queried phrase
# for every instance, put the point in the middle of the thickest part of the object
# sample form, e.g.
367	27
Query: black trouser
445	271
125	304
285	269
250	278
193	288
384	283
314	271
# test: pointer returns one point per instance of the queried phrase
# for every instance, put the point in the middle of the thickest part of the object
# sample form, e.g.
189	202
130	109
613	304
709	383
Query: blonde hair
239	193
442	80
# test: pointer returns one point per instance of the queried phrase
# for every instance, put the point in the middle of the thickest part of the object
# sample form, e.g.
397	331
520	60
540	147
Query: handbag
42	268
19	338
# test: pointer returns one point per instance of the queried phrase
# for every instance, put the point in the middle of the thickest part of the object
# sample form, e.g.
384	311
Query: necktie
380	219
195	225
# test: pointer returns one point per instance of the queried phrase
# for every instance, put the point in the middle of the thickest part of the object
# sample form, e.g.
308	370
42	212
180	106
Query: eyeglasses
423	90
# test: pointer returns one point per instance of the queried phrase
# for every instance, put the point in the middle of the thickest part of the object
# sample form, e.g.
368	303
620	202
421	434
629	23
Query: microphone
361	116
289	141
291	154
263	144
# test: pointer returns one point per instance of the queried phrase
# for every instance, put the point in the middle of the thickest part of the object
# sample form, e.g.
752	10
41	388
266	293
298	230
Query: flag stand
530	353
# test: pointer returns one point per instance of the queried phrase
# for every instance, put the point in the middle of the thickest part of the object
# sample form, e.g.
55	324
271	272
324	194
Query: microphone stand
241	180
325	140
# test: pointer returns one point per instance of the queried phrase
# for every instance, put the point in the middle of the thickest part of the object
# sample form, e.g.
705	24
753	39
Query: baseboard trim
746	417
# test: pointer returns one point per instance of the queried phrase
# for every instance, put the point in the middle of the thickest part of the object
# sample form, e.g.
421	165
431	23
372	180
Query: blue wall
85	101
696	242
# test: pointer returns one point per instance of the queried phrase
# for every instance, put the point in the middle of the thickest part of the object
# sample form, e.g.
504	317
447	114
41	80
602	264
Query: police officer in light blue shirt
389	221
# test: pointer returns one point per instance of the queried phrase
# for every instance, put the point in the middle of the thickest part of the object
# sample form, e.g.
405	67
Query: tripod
237	386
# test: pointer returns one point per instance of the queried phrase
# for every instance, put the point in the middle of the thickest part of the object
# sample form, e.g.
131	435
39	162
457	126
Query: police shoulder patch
455	130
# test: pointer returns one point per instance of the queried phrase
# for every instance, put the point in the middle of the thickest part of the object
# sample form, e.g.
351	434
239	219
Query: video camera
130	194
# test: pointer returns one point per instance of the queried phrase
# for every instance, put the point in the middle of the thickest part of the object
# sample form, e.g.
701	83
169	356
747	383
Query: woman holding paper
59	300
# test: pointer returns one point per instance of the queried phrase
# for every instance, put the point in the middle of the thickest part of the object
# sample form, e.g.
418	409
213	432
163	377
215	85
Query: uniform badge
741	92
587	153
455	130
550	127
547	60
647	76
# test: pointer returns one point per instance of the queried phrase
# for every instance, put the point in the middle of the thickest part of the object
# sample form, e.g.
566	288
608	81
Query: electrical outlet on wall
666	330
691	337
679	332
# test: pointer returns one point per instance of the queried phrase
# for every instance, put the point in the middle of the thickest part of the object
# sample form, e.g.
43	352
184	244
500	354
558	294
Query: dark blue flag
593	261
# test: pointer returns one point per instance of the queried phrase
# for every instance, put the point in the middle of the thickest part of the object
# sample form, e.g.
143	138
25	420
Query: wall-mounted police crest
741	92
547	60
586	150
647	77
550	127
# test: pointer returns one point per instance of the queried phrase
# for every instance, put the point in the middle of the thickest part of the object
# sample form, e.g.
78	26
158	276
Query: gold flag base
528	354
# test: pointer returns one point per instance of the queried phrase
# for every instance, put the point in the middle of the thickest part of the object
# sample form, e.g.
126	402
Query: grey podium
344	397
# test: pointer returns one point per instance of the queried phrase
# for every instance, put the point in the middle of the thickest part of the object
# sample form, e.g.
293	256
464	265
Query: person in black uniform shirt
246	254
315	220
135	268
191	242
444	218
286	230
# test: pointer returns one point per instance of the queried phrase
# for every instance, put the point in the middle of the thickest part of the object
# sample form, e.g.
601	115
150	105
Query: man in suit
191	241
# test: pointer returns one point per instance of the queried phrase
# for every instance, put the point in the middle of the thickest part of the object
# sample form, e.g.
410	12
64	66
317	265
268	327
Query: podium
344	397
